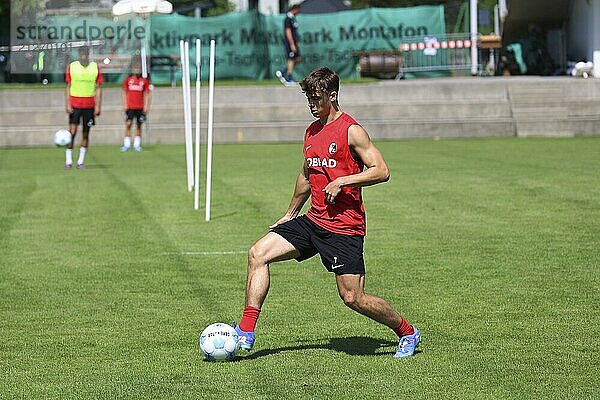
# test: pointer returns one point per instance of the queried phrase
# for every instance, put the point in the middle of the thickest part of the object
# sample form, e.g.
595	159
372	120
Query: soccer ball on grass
62	137
219	342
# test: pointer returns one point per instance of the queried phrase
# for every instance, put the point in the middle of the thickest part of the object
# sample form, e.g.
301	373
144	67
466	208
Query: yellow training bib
83	79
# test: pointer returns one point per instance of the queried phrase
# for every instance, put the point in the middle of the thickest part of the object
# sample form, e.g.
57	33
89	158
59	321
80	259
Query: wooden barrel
379	64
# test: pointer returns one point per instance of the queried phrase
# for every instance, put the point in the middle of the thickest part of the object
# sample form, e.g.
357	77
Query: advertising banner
248	45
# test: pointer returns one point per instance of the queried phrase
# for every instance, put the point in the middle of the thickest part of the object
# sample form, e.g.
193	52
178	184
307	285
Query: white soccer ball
62	137
219	342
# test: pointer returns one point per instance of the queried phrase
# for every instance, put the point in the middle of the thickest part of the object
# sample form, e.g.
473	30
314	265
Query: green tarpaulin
248	45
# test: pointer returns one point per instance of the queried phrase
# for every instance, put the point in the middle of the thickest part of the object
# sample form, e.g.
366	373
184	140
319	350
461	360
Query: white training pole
211	91
197	160
473	14
188	128
144	65
182	59
145	75
183	86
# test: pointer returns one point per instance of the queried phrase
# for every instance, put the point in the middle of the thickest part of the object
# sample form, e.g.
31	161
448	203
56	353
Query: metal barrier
444	52
436	53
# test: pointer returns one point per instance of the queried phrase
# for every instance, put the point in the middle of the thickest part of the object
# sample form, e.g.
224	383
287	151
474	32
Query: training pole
189	156
197	158
211	91
184	94
473	14
144	65
185	116
145	75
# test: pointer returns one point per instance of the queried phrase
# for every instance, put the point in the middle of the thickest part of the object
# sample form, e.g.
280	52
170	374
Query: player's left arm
376	170
148	99
290	38
98	100
98	95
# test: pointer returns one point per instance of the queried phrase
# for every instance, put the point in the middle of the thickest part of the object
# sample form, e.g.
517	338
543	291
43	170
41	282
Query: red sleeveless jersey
135	89
328	156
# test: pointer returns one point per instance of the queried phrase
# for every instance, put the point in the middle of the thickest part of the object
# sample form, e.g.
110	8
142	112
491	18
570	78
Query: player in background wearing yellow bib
84	101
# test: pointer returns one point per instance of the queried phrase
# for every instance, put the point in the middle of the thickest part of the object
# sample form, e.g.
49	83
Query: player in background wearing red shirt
84	100
137	95
339	159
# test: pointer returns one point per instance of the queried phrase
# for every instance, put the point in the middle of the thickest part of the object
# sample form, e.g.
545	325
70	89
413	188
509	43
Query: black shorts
139	115
341	254
85	114
289	53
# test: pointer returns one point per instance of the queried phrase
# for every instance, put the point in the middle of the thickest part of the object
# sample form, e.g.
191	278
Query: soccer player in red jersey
84	100
137	95
339	159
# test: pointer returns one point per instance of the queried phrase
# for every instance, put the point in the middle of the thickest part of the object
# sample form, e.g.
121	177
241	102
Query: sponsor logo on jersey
321	162
136	88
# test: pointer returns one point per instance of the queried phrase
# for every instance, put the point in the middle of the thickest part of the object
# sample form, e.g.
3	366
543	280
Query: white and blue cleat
245	339
408	344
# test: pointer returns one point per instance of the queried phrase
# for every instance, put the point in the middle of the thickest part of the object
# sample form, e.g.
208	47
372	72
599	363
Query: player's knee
256	256
351	299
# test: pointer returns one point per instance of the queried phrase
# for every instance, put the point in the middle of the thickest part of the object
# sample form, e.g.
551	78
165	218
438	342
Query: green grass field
491	247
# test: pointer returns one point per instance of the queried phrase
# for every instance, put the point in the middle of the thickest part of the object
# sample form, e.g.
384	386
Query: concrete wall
428	108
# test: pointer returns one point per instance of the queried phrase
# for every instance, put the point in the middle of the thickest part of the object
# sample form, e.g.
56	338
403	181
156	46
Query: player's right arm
301	194
68	107
124	97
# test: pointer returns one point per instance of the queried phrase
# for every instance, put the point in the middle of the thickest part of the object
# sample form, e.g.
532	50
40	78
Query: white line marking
205	253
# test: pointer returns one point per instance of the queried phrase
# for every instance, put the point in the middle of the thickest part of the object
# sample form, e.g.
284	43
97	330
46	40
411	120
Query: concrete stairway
558	107
453	107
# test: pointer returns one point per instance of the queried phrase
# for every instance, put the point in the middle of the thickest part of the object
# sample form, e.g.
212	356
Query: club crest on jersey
332	148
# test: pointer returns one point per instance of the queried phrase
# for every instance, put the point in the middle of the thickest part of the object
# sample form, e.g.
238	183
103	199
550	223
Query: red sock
404	329
249	318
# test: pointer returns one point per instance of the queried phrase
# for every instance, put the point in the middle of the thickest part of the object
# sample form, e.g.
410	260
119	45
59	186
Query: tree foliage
401	3
219	6
452	8
20	7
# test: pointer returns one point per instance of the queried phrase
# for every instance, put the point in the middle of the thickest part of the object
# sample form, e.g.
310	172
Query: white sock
69	156
137	141
127	141
82	151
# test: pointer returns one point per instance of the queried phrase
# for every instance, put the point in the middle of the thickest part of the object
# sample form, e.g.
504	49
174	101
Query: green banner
248	45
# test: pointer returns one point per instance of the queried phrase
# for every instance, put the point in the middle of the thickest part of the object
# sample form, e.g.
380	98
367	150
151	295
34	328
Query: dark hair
321	80
84	49
294	7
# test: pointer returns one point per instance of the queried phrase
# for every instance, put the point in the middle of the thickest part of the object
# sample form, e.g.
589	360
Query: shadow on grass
94	166
354	346
229	214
